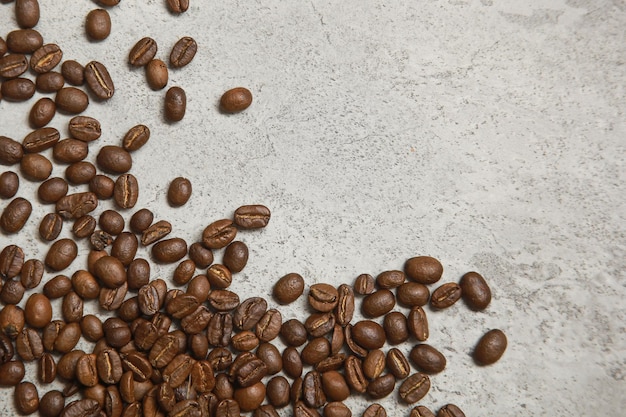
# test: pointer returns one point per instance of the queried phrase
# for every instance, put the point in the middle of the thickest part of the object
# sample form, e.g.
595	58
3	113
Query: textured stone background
489	134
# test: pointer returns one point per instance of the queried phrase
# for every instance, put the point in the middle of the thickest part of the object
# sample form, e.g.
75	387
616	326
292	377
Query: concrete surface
489	134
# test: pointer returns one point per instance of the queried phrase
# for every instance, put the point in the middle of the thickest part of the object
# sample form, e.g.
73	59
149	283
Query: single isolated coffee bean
157	74
9	184
136	137
183	52
252	216
98	24
423	269
490	347
42	112
475	291
99	81
446	295
178	6
27	13
289	288
26	398
175	104
450	410
375	410
179	191
236	100
73	72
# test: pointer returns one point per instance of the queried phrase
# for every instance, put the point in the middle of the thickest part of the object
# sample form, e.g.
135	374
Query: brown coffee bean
42	112
51	404
475	291
375	410
72	307
220	358
446	295
99	80
111	299
109	366
91	326
219	276
374	364
116	332
98	24
319	324
143	52
11	320
110	271
9	184
390	279
313	394
220	329
183	52
337	409
354	374
199	287
396	328
413	294
13	65
181	306
155	232
300	409
66	366
490	347
35	167
397	363
67	338
81	172
345	304
38	311
179	192
337	339
26	398
111	222
418	323
71	100
202	376
175	104
125	247
269	325
31	273
126	191
27	16
11	373
236	256
114	159
236	100
315	351
11	151
450	410
102	186
368	334
293	332
57	287
82	408
73	72
378	303
156	74
41	139
200	256
135	138
292	362
61	254
49	82
335	386
15	215
252	216
141	220
84	226
427	358
223	300
85	128
24	41
163	351
278	391
138	273
289	288
421	411
331	363
11	261
323	297
381	386
423	269
52	190
270	355
179	6
12	292
29	345
45	58
249	312
169	250
414	388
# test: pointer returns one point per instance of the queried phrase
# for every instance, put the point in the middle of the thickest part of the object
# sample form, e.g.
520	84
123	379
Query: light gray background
489	134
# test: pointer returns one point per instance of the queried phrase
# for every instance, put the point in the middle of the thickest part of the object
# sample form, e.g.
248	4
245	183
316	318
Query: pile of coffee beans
184	345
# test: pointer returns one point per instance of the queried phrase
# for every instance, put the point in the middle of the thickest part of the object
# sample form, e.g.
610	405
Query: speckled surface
489	134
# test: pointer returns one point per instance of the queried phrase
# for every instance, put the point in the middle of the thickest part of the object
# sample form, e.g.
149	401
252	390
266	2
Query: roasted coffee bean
289	288
374	364
91	326
156	74
24	41
136	137
390	279
199	287
35	167
45	58
397	363
11	320
175	104
252	216
219	276
110	271
220	329
141	220
418	323
421	411
143	52
6	349
73	72
201	256
57	287
27	15
26	398
312	392
72	307
17	89
11	152
71	100
85	128
179	191
368	334
223	387
184	272
219	234
358	350
15	215
116	332
11	373
337	339
490	347
180	6
178	370
29	345
236	100
81	172
129	310
149	299
345	305
223	300
423	269
247	369
11	261
249	312
331	363
413	294
99	80
126	191
335	386
396	328
102	186
9	184
446	295
270	355
41	139
381	386
292	362
38	311
378	303
155	232
49	82
13	65
169	250
450	410
181	306
111	222
183	52
138	273
12	292
315	351
66	367
163	351
278	391
67	338
109	366
61	254
323	297
114	159
414	388
100	240
51	404
52	190
125	247
354	374
300	409
375	410
319	324
42	112
82	408
98	24
202	376
337	409
221	358
475	291
427	358
268	327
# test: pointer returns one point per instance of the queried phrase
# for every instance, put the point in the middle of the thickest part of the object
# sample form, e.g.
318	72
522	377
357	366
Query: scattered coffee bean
85	128
114	159
11	152
26	398
378	303
42	112
179	191
126	191
413	294
73	72
475	291
27	15
51	404
74	206
175	104
450	410
135	138
423	269
102	186
69	151
143	52
98	80
17	89
50	226
9	184
396	328
13	65
446	295
71	100
236	100
183	52
178	6
49	82
156	74
24	41
98	24
421	411
45	58
490	347
375	410
289	288
15	215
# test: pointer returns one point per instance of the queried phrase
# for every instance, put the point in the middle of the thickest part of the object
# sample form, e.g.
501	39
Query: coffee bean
278	391
73	72
51	404
72	307
82	408
378	303
345	304
201	256
70	151
27	15
490	347
381	386
323	297
136	137
84	226
111	222
418	323
319	324
289	288
61	254
354	374
375	410
35	167
368	334
175	104
183	52
81	172
252	216
15	215
12	292
24	41
427	358
11	152
26	398
28	345
17	89
125	247
179	192
312	391
45	58
412	294
116	332
85	285
236	256
57	287
331	363
475	291
179	6
446	295
141	220
155	232
219	276
67	338
42	112
390	279
138	273
354	347
421	411
98	24
315	351
163	351
199	287
85	128
99	80
374	364
396	328
249	312
71	100
114	159
156	74
337	409
38	311
11	373
143	52
397	363
9	184
169	250
268	327
13	65
52	190
49	82
423	269
236	100
219	234
11	261
293	332
41	139
450	410
91	326
335	386
126	191
109	366
66	366
300	409
414	388
110	271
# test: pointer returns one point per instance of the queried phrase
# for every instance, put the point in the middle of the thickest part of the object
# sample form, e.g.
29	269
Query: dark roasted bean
99	81
414	388
490	347
183	52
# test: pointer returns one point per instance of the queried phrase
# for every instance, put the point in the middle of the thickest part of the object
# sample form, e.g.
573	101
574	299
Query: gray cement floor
489	134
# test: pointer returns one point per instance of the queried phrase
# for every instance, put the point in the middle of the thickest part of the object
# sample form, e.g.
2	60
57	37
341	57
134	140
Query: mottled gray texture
489	134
